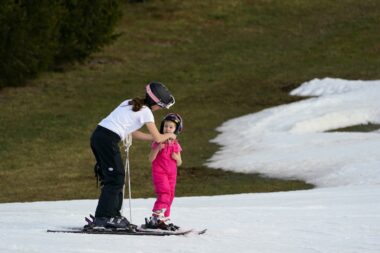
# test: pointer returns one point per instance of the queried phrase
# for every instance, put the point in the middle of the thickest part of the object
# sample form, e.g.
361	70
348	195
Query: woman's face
156	107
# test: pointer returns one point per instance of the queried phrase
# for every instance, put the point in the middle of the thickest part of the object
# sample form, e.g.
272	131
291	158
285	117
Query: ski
134	230
121	232
138	231
185	232
201	232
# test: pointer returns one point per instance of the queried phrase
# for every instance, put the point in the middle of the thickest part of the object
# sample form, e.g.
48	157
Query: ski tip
201	232
192	232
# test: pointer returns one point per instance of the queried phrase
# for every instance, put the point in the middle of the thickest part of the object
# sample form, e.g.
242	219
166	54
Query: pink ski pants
164	181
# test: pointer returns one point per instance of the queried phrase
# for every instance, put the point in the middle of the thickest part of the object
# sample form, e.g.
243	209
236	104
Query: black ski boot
155	223
113	223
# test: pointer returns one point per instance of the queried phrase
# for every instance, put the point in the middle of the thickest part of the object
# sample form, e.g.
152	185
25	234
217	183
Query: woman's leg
108	157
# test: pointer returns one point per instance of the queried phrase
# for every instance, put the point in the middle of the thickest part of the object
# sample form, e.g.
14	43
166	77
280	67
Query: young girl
165	158
126	119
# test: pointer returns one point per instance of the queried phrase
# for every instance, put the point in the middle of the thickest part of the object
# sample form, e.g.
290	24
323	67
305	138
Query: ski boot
159	221
113	223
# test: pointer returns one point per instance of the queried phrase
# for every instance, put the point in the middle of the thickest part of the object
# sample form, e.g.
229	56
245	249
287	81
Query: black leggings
104	145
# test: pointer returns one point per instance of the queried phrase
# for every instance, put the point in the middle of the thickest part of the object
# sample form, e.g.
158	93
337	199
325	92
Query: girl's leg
162	189
172	183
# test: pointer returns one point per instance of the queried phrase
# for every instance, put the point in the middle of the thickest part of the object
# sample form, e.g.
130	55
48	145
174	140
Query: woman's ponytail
137	104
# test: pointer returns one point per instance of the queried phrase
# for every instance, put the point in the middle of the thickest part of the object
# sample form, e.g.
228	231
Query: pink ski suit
164	174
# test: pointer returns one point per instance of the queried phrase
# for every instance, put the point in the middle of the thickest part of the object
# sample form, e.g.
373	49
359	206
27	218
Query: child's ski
186	231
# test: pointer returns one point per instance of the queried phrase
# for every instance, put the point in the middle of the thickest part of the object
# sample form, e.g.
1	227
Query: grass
370	127
222	59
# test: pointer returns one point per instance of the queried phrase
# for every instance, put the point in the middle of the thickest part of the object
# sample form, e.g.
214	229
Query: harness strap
127	144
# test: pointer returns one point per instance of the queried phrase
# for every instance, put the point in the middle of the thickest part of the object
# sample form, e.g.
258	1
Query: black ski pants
104	145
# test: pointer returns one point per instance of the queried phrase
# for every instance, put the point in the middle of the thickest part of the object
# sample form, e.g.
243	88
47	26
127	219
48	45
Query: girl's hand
175	156
172	136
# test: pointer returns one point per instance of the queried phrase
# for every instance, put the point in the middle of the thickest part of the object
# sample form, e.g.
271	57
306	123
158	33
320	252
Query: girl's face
169	127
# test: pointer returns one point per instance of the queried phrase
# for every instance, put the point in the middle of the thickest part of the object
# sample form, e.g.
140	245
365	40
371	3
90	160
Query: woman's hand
156	136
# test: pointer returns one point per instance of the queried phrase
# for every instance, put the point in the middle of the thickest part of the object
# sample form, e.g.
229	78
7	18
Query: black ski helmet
157	93
174	117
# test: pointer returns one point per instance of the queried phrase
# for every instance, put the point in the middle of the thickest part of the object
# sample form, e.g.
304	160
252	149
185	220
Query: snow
289	141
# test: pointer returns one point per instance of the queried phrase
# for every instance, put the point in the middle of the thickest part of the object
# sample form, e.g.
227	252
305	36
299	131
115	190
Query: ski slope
341	215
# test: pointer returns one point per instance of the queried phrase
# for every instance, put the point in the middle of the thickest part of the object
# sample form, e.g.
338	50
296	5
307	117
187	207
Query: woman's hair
137	104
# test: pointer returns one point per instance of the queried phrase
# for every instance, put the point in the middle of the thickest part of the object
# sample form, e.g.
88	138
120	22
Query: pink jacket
164	160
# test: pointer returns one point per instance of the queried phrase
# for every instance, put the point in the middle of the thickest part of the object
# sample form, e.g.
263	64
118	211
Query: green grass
221	59
359	128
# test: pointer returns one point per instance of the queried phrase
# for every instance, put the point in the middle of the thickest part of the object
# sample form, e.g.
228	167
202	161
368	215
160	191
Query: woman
126	119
